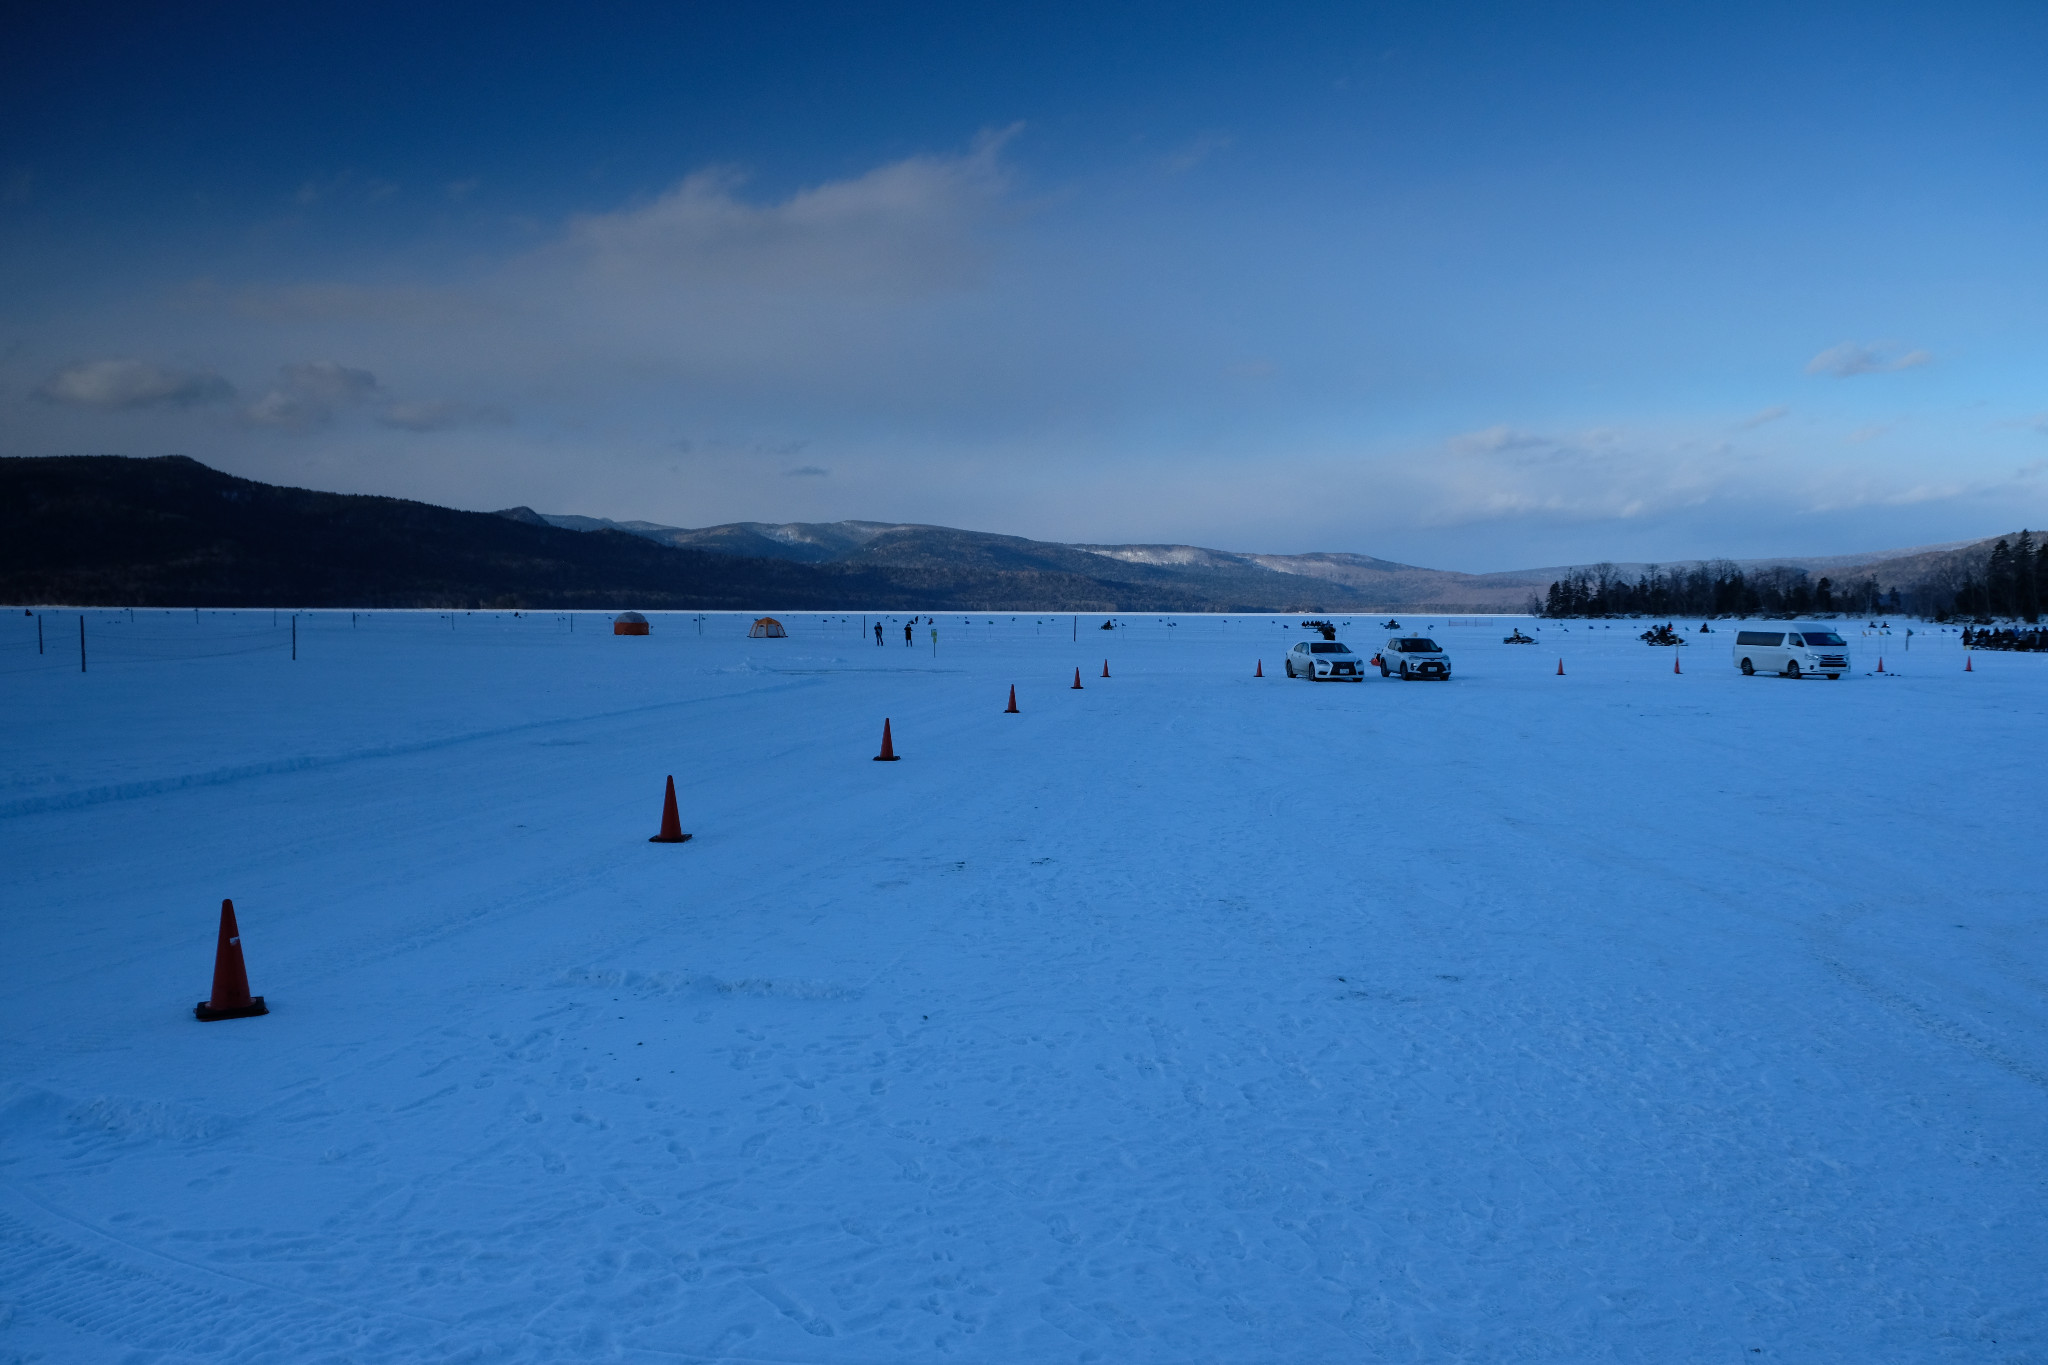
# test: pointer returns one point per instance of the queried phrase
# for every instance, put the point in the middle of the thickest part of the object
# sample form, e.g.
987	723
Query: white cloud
347	185
901	228
307	396
438	414
1504	474
806	471
1192	154
1770	414
1852	358
130	384
1497	440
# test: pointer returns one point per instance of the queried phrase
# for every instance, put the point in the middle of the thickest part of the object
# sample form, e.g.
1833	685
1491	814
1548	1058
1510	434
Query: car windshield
1329	649
1823	637
1416	646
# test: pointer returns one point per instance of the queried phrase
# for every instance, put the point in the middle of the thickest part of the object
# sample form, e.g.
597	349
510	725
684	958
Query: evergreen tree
2041	576
1998	582
2025	581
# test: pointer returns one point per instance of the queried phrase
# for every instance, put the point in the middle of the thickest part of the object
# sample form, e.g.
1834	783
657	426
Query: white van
1795	651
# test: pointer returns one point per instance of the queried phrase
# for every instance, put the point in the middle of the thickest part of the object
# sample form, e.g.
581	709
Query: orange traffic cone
1880	663
671	823
1105	668
231	998
1259	669
1077	681
1011	709
1966	664
1560	668
1674	665
888	754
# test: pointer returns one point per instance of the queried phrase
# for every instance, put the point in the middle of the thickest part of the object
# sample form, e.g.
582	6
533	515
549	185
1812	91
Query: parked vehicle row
1795	651
1408	656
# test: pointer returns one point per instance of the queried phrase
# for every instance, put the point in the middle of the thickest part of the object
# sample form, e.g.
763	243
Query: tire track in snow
58	1266
1825	944
216	777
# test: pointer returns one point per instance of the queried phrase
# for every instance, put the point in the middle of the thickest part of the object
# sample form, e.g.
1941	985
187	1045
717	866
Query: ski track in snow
1621	1016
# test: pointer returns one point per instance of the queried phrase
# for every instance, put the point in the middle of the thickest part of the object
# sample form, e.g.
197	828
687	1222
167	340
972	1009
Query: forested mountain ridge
111	530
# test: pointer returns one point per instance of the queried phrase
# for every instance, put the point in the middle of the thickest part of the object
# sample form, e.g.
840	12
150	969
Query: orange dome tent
629	623
767	628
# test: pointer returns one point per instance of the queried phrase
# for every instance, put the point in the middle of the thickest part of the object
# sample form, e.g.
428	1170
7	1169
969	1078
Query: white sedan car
1415	656
1320	660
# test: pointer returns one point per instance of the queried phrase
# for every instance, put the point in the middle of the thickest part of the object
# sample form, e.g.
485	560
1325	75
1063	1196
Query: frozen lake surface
1187	1017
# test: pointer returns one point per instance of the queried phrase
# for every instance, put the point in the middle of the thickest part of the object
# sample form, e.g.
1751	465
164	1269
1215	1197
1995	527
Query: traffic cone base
1077	681
1011	709
205	1013
231	998
671	823
888	754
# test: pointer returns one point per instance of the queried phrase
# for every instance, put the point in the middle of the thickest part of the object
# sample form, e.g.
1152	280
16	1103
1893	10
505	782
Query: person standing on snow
878	635
906	636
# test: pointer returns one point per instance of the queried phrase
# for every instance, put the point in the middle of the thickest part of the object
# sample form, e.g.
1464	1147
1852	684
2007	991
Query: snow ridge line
128	791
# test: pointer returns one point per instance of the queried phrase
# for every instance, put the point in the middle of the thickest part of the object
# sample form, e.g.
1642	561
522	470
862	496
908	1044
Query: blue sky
1470	286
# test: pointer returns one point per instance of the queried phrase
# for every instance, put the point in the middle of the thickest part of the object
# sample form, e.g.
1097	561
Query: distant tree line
2013	583
1711	588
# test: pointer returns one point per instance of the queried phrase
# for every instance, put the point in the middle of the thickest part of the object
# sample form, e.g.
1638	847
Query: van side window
1769	638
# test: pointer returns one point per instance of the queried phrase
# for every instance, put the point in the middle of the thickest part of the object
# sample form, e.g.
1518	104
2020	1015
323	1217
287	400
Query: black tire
1792	669
1406	676
1833	676
1748	669
1383	670
1290	668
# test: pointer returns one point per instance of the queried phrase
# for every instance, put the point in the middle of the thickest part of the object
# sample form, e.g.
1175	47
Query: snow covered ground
1187	1017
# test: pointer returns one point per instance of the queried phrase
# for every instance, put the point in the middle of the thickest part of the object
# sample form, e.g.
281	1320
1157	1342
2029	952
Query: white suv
1793	653
1324	659
1414	656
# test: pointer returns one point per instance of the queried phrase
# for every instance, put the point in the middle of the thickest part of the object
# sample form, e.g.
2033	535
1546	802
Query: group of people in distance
907	638
2035	640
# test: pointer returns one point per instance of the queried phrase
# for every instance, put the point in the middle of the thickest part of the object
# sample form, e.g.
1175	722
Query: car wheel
1833	676
1290	668
1383	670
1405	674
1792	669
1748	669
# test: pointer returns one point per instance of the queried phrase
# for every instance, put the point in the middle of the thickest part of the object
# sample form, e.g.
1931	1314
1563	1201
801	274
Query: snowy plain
1618	1016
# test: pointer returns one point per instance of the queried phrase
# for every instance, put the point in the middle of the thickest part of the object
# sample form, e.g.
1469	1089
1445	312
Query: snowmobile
1662	635
1518	638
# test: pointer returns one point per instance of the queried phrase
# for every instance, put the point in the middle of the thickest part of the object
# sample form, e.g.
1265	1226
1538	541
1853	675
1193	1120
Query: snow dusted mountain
1225	579
111	530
